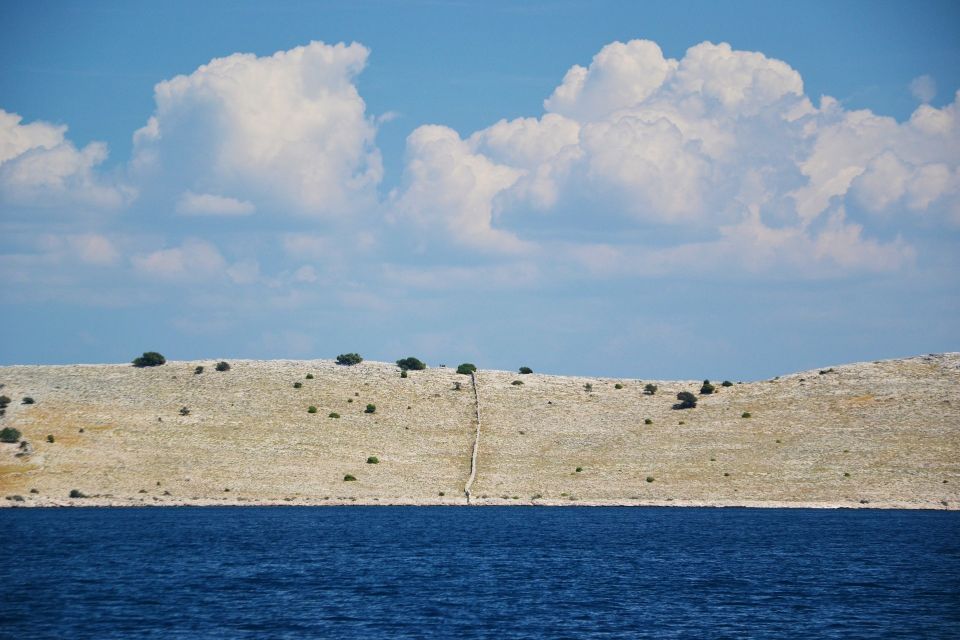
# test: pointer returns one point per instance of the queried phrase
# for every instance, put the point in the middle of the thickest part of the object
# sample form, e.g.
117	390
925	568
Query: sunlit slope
869	434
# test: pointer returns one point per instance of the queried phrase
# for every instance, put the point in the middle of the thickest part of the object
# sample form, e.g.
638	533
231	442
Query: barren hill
881	434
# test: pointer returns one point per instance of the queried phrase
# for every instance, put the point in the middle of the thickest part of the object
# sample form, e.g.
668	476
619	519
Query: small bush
726	383
371	408
309	376
649	478
824	372
404	374
618	386
349	400
333	414
373	460
466	368
411	364
649	389
198	371
588	387
149	359
647	421
349	478
51	439
687	400
184	411
76	493
707	388
846	474
349	359
579	469
746	414
9	434
4	401
311	409
222	366
517	383
297	385
526	370
27	400
441	494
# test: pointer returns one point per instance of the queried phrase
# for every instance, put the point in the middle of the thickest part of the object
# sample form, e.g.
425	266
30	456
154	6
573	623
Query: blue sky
628	189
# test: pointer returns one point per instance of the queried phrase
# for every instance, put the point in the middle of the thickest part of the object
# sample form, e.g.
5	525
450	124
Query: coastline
94	502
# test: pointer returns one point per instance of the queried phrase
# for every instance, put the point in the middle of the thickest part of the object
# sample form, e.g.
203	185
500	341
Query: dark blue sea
490	572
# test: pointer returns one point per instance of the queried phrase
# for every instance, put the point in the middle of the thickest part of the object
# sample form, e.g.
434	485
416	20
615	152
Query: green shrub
371	408
649	478
746	414
149	359
618	386
309	376
588	387
649	389
27	400
726	383
846	474
4	401
76	493
517	383
311	409
9	434
222	366
333	414
184	411
707	388
373	460
51	439
297	385
579	469
411	364
198	370
349	400
404	374
526	370
466	368
687	400
349	478
349	359
647	421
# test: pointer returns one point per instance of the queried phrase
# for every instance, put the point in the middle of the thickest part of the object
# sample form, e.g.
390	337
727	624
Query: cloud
923	88
451	188
206	204
288	130
39	166
716	143
194	259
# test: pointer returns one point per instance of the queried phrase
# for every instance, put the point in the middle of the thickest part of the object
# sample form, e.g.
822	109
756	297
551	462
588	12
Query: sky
642	190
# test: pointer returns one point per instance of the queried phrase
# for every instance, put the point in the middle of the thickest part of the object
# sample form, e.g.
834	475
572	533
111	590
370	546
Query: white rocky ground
883	434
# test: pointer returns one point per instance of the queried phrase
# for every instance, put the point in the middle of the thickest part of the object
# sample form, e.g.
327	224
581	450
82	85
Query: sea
478	572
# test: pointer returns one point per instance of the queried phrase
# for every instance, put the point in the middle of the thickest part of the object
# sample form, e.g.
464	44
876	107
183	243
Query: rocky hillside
881	434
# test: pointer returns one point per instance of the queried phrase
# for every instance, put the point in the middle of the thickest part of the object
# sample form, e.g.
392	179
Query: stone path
476	440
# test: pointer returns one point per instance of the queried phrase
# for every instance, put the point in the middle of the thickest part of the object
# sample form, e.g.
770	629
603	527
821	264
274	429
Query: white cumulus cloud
289	129
39	166
721	141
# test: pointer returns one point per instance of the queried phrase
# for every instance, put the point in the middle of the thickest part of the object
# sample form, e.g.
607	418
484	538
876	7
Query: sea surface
491	572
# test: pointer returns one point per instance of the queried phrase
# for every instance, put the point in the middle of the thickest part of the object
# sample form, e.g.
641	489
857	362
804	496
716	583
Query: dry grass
893	426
